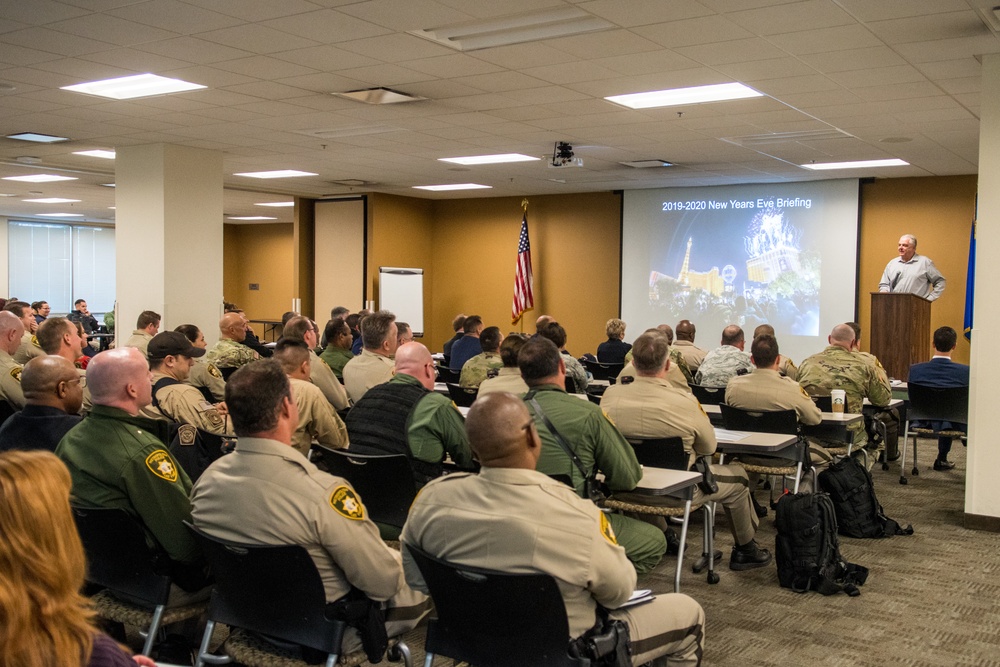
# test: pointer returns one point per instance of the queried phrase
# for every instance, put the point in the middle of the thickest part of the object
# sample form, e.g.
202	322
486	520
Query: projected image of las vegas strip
739	272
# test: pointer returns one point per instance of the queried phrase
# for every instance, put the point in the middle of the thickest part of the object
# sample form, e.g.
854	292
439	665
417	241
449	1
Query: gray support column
168	236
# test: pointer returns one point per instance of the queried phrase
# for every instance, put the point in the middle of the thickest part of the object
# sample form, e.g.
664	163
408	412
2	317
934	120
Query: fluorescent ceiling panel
60	215
454	186
490	159
514	29
130	87
39	178
51	200
278	173
276	204
859	164
37	138
719	92
107	155
250	217
647	164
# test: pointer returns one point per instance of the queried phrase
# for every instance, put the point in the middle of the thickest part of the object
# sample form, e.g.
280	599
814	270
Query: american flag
524	297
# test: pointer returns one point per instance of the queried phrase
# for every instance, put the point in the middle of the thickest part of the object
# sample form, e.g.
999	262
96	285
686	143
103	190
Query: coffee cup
839	399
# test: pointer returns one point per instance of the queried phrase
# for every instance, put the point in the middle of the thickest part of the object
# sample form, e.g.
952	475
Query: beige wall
939	212
467	248
261	254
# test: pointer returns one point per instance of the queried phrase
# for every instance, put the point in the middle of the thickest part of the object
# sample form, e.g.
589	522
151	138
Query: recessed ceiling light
378	96
454	186
60	215
37	138
276	204
489	159
514	28
278	173
39	178
859	164
130	87
51	200
7	194
250	217
695	95
112	207
108	185
647	164
107	155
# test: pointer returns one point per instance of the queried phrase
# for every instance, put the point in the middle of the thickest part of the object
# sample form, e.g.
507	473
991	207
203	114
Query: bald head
842	336
733	335
763	329
542	321
501	432
414	359
52	381
120	378
11	330
685	330
231	326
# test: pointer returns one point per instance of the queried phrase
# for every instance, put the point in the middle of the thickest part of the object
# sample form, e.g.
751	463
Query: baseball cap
172	343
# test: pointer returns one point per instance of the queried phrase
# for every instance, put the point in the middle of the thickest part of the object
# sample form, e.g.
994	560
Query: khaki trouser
666	631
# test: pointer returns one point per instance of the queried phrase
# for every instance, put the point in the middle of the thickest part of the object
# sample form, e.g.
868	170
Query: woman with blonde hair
44	620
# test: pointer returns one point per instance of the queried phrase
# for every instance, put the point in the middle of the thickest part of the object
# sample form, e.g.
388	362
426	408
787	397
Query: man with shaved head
726	361
512	518
116	461
11	331
406	416
837	367
693	355
53	395
229	353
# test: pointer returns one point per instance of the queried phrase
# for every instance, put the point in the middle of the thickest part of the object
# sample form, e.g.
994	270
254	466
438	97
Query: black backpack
807	552
859	513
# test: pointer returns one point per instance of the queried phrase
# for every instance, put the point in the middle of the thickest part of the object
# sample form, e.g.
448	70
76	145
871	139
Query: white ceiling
900	77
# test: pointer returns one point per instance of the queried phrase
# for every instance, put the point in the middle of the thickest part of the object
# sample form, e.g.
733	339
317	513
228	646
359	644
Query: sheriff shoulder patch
15	373
608	417
161	465
347	504
606	530
34	341
213	371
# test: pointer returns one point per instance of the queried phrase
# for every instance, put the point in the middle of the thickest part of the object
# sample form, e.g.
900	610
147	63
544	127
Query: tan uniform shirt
674	376
652	408
522	521
787	368
365	371
508	379
692	355
766	389
323	377
205	374
29	349
317	419
10	380
140	340
184	404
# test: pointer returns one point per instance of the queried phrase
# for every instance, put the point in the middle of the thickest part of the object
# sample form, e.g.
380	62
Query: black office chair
824	403
463	397
227	371
384	482
195	449
274	591
708	395
949	405
136	585
6	411
763	421
603	371
494	619
446	375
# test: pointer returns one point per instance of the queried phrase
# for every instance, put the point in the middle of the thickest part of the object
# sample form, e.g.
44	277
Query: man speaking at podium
911	273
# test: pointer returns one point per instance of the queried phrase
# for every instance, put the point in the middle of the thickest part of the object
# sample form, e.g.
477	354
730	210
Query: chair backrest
6	411
661	453
227	371
463	397
494	619
570	384
384	482
949	404
824	403
760	421
445	374
603	371
273	590
118	557
708	395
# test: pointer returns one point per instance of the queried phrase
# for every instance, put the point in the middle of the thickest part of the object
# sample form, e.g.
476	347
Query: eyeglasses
80	380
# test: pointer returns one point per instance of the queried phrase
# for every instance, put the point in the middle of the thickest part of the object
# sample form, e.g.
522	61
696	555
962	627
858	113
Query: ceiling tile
455	65
783	18
406	15
384	75
111	29
179	17
12	54
819	40
704	30
396	48
762	70
195	50
255	10
54	41
39	12
879	10
256	38
326	58
853	59
135	60
878	76
734	51
264	67
520	56
965	23
643	12
327	26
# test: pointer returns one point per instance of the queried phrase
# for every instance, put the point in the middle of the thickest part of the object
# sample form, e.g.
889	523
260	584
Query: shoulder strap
160	384
562	443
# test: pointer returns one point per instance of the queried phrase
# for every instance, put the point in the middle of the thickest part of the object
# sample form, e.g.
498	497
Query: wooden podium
901	331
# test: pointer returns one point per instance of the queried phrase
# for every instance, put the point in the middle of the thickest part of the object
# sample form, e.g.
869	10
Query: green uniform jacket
435	427
590	433
116	462
336	358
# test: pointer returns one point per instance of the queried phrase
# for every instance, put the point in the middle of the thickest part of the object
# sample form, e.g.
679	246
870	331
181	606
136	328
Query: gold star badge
161	465
347	504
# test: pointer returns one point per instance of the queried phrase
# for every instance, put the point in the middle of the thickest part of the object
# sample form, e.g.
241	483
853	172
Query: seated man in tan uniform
320	374
650	408
693	356
677	375
11	331
375	364
146	326
785	365
512	518
171	356
265	492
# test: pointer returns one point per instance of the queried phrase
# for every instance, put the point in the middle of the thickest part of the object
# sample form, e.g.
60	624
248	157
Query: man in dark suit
942	372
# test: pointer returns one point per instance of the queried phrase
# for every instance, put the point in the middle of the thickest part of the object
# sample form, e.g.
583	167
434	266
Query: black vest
379	422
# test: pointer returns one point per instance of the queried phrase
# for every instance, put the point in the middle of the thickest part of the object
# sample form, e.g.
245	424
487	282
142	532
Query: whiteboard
401	291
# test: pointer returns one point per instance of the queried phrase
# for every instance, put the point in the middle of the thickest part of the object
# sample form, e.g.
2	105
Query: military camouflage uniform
722	364
478	367
837	368
575	370
228	353
29	349
10	380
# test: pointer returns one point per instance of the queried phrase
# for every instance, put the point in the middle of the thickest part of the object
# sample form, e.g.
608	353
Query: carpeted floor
930	599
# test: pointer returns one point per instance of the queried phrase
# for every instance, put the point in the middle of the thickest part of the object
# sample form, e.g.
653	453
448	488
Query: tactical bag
859	513
807	551
884	426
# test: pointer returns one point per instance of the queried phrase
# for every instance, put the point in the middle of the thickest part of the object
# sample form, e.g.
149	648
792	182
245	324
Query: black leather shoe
943	465
749	557
673	542
758	508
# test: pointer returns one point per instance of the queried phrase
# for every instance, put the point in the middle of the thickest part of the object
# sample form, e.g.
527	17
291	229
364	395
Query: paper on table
730	436
638	597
